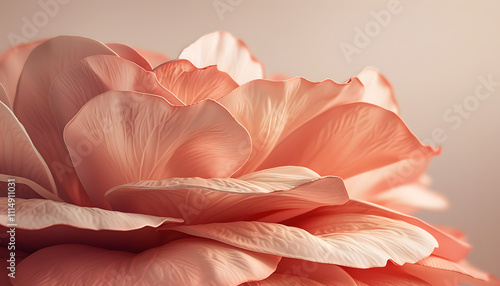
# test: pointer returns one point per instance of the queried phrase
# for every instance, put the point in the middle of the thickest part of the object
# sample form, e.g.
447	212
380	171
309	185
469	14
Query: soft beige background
433	53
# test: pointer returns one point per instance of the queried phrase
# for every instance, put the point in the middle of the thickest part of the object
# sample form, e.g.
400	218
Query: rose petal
155	59
348	140
11	66
133	137
438	271
191	84
271	111
130	54
230	55
328	274
192	261
281	279
39	213
411	198
97	74
3	97
199	200
355	240
390	275
449	247
33	110
20	159
366	185
378	90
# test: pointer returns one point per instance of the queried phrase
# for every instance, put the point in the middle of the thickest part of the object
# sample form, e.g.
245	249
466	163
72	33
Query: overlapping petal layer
191	84
20	160
133	136
261	196
192	261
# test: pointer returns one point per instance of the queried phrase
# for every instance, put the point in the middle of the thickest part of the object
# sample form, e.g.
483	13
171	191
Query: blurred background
442	58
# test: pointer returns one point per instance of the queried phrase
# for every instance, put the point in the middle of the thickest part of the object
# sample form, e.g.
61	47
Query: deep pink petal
191	84
11	66
20	160
192	261
282	280
271	111
270	195
129	53
355	240
230	55
348	140
133	137
32	106
94	75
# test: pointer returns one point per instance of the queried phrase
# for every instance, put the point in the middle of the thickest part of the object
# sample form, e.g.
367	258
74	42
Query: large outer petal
228	53
11	66
132	137
355	240
191	261
348	140
449	247
32	106
19	158
191	84
261	197
94	75
271	111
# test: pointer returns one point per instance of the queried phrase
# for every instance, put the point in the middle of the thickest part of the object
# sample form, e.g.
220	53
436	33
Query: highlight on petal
191	84
36	214
33	110
133	137
11	66
230	55
130	54
267	196
348	140
355	240
191	261
20	159
378	90
450	247
94	75
271	111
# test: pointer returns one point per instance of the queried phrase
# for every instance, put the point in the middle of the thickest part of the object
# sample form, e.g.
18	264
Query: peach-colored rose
200	171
